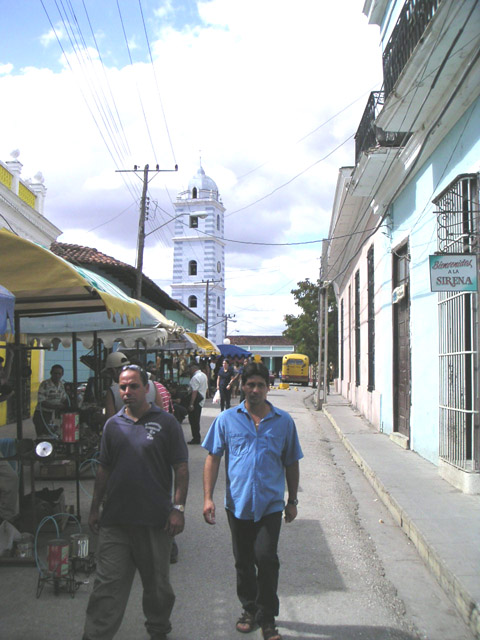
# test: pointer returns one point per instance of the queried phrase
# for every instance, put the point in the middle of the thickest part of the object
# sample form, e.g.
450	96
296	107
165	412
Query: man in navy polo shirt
261	450
141	445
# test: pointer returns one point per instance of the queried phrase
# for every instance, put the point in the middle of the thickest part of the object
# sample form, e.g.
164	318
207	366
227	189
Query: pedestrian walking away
141	445
198	385
261	448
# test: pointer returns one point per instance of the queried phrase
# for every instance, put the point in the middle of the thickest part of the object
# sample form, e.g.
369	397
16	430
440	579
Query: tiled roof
260	340
125	273
75	253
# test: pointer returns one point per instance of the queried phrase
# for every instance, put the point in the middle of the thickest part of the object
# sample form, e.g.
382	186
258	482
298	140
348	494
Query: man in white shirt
198	385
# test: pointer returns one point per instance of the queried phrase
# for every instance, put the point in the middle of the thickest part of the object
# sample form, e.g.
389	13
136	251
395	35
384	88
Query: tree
303	329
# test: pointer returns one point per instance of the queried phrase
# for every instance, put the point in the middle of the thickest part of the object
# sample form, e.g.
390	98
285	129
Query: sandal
270	632
246	622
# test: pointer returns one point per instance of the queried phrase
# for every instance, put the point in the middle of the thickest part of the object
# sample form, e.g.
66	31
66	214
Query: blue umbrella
7	303
232	351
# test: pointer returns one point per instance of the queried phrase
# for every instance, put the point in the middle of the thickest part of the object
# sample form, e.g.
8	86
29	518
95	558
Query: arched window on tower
194	193
218	223
192	268
192	302
218	303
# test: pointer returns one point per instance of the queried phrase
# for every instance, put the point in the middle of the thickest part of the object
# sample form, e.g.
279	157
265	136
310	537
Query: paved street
347	570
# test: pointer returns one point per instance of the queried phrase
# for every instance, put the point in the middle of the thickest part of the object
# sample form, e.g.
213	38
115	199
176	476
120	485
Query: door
401	341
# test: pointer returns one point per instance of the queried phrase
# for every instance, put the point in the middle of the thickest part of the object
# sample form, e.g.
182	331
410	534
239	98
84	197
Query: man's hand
175	523
290	512
94	521
209	511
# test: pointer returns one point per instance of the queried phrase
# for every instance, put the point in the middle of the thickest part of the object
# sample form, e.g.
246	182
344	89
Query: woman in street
224	378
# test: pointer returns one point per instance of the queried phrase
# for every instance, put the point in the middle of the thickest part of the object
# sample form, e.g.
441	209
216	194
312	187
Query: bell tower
199	253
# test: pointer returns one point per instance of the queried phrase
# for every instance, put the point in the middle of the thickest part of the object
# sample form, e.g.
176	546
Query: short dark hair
141	372
255	369
57	366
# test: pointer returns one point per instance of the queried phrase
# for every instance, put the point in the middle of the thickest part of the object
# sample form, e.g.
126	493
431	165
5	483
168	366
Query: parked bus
295	368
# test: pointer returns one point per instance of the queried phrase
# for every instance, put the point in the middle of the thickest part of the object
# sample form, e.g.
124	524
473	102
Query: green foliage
302	330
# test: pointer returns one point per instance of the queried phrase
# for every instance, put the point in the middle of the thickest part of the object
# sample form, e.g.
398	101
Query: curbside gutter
467	607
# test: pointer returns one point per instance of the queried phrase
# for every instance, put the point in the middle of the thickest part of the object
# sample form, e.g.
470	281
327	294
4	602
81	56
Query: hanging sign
453	272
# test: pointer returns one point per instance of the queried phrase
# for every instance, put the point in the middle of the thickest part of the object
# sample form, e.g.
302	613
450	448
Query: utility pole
227	317
322	328
141	220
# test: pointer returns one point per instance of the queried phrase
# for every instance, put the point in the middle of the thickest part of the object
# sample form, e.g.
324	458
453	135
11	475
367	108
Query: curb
468	608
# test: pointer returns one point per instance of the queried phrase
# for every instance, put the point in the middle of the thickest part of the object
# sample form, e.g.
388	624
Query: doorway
401	340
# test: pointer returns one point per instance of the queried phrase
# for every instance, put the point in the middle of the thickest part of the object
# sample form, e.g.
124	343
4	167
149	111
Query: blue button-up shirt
255	459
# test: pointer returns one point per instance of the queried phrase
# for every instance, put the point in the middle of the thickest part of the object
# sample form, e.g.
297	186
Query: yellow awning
208	348
148	312
44	283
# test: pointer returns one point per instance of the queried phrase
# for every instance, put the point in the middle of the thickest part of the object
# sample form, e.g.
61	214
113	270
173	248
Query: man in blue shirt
261	450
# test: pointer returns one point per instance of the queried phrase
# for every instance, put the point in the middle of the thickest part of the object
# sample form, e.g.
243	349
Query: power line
136	83
156	82
291	179
82	93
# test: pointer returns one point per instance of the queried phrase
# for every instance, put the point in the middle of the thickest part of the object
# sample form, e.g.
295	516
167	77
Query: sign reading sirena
453	272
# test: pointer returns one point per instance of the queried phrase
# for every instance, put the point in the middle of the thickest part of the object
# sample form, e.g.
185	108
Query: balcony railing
366	137
410	27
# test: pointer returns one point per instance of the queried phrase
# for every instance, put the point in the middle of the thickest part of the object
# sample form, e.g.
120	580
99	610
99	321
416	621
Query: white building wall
203	244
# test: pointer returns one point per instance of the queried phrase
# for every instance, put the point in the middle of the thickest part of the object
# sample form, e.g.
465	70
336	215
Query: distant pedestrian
261	449
224	384
198	386
140	446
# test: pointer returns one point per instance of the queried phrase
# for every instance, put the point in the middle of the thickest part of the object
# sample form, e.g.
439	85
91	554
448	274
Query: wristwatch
295	501
179	507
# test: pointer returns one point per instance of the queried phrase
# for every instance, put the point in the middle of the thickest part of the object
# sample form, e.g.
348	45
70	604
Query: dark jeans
256	561
224	398
194	420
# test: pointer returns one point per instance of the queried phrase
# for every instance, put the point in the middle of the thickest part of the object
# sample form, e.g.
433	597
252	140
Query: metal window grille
457	228
371	318
357	328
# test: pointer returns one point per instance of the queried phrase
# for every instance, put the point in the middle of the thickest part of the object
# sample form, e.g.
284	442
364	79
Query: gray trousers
121	550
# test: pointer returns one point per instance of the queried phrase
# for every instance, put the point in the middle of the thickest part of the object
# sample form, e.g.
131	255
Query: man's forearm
181	483
100	487
292	474
210	475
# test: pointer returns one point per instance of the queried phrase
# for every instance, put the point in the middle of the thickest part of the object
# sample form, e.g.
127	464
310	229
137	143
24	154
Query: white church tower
199	253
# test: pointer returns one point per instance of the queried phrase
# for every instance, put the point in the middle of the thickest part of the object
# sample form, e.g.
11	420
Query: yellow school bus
295	368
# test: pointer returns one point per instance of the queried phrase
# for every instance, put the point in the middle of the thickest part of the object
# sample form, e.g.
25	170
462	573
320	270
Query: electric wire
138	89
83	57
291	179
156	82
307	135
120	129
413	165
82	93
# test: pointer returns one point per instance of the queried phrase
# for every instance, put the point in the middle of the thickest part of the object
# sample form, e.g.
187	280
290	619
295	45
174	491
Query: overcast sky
269	92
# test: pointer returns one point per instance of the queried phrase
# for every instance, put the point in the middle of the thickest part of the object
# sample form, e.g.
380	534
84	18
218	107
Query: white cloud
46	39
242	89
165	10
5	68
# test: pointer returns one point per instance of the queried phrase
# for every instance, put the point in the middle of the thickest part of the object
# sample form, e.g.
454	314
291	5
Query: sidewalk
442	522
